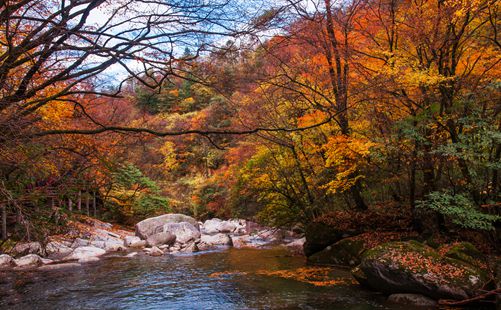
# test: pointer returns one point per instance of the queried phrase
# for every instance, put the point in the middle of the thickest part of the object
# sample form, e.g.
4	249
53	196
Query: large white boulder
154	225
6	261
214	226
30	260
85	252
183	231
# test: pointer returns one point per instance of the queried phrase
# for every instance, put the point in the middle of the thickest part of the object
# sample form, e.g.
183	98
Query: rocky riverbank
409	271
172	234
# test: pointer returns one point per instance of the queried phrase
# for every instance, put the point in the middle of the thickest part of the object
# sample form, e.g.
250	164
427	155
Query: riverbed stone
161	238
184	231
85	252
6	261
413	299
412	267
109	245
30	260
155	225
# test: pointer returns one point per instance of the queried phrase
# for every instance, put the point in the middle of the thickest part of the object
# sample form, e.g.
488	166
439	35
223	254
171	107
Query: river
226	279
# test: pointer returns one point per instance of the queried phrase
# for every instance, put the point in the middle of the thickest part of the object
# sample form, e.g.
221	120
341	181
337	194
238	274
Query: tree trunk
94	207
87	203
70	205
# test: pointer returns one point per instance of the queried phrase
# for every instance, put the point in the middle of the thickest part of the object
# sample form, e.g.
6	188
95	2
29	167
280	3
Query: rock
227	227
57	248
92	259
107	233
85	252
154	251
214	226
46	261
190	248
296	245
466	252
211	226
184	231
161	238
154	225
412	299
240	241
345	252
80	243
59	266
319	236
22	249
208	241
412	267
132	254
110	245
102	225
129	240
30	260
6	261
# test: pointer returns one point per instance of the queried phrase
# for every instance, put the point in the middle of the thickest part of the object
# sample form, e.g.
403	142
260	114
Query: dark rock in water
412	299
411	267
155	225
344	252
161	238
319	236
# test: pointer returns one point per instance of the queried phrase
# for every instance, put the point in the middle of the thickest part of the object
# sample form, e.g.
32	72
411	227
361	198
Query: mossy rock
412	267
468	253
345	252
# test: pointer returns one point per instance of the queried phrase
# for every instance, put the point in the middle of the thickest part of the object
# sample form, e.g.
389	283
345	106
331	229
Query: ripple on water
230	279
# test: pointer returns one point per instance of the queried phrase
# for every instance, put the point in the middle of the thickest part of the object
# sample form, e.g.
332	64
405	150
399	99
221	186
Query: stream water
226	279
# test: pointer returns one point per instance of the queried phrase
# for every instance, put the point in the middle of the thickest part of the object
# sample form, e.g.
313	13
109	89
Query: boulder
211	226
154	251
345	252
161	238
412	299
240	241
319	236
6	261
78	242
208	241
134	242
412	267
154	225
191	247
30	260
109	245
85	252
55	248
22	249
184	231
214	226
465	252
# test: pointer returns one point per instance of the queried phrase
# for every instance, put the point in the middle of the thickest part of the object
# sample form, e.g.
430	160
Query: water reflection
227	279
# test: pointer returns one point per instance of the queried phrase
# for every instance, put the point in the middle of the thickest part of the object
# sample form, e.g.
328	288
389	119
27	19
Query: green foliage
460	209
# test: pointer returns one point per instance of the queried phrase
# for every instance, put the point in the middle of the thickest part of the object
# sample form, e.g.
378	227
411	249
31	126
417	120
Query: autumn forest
369	119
